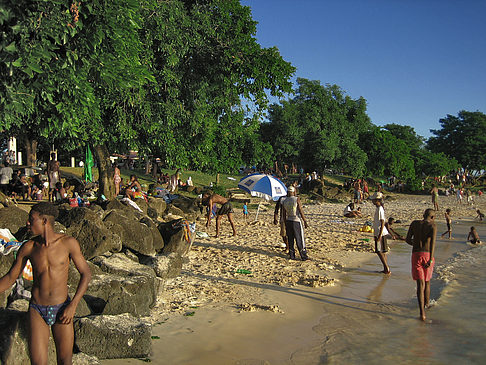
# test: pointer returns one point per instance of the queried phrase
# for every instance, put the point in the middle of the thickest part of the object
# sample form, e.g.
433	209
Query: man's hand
306	225
67	314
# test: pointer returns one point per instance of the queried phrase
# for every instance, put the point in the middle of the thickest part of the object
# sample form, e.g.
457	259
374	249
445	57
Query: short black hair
46	208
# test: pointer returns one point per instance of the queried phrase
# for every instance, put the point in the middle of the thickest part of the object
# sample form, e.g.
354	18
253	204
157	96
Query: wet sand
290	311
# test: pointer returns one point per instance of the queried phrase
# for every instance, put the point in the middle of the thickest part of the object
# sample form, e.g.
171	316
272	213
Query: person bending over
225	209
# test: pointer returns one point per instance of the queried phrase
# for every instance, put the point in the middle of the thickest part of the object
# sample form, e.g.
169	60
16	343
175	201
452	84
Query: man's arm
301	211
85	277
409	238
9	278
432	244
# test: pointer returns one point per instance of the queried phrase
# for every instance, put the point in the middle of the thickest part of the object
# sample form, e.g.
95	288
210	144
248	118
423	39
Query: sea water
375	318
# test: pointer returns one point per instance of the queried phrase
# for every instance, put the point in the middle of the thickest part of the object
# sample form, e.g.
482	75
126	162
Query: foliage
463	138
164	77
318	128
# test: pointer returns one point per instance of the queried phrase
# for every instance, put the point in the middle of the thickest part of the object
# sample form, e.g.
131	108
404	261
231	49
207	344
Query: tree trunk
30	146
105	170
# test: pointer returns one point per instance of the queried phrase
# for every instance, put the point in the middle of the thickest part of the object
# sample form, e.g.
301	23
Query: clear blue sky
414	61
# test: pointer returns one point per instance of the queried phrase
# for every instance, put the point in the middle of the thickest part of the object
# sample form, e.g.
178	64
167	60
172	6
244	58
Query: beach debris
243	271
316	281
247	307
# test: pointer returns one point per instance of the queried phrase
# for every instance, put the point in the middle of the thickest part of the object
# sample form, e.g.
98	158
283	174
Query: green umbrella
88	164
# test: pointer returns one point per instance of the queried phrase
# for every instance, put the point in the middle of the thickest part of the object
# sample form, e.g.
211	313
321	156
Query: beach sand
289	311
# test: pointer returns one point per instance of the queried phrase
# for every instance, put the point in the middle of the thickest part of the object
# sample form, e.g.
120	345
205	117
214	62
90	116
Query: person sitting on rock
134	189
50	306
225	209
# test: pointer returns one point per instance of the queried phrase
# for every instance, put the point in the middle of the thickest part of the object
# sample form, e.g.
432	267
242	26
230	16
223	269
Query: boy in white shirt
380	231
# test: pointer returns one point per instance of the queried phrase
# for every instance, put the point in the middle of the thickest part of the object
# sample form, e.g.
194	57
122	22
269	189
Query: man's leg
421	297
290	237
64	339
38	338
299	240
230	218
218	223
386	268
427	294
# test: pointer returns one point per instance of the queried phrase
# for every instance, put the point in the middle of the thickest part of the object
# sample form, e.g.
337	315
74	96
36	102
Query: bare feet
386	272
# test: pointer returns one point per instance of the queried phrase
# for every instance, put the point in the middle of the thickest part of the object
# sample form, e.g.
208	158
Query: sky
414	61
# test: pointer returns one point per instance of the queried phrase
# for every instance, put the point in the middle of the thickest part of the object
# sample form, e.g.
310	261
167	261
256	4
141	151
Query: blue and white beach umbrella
263	186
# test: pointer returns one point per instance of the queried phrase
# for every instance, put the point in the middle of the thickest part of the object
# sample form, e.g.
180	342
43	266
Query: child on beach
473	236
50	307
448	219
394	235
480	215
245	212
380	231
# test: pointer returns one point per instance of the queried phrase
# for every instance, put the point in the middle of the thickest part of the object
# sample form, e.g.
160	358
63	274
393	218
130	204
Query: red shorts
419	269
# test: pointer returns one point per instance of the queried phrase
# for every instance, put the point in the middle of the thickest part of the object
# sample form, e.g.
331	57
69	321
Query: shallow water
381	324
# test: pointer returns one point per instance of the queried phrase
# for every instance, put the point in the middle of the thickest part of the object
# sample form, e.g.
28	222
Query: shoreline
199	317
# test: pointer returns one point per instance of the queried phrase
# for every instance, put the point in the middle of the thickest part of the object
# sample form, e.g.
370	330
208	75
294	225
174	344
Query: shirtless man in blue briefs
50	254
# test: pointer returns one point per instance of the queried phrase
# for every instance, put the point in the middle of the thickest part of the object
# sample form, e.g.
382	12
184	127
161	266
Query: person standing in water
421	236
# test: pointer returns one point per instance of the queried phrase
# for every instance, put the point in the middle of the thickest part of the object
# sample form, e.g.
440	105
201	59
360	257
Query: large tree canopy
166	77
463	138
318	128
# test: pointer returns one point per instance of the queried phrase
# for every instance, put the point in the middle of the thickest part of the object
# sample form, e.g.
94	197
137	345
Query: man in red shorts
421	235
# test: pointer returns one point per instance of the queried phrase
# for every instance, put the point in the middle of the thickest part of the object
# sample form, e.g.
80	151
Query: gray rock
14	348
175	240
75	216
5	265
165	266
13	218
83	359
112	294
94	238
5	200
120	264
158	204
158	241
134	235
19	305
112	337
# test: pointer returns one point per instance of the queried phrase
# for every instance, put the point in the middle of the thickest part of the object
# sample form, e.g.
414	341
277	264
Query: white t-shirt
379	215
5	175
347	210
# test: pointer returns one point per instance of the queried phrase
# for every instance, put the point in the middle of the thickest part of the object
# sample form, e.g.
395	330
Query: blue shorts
50	313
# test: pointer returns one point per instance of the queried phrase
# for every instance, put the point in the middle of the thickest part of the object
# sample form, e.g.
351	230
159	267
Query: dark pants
295	233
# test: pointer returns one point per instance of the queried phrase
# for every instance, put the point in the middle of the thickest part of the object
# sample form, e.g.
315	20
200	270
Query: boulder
165	266
75	216
177	238
172	211
134	235
94	238
114	294
14	348
5	200
120	264
13	218
158	204
5	265
83	359
158	241
113	337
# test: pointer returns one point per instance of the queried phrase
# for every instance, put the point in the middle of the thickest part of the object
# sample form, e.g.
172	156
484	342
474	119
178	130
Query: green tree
463	138
319	128
387	155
